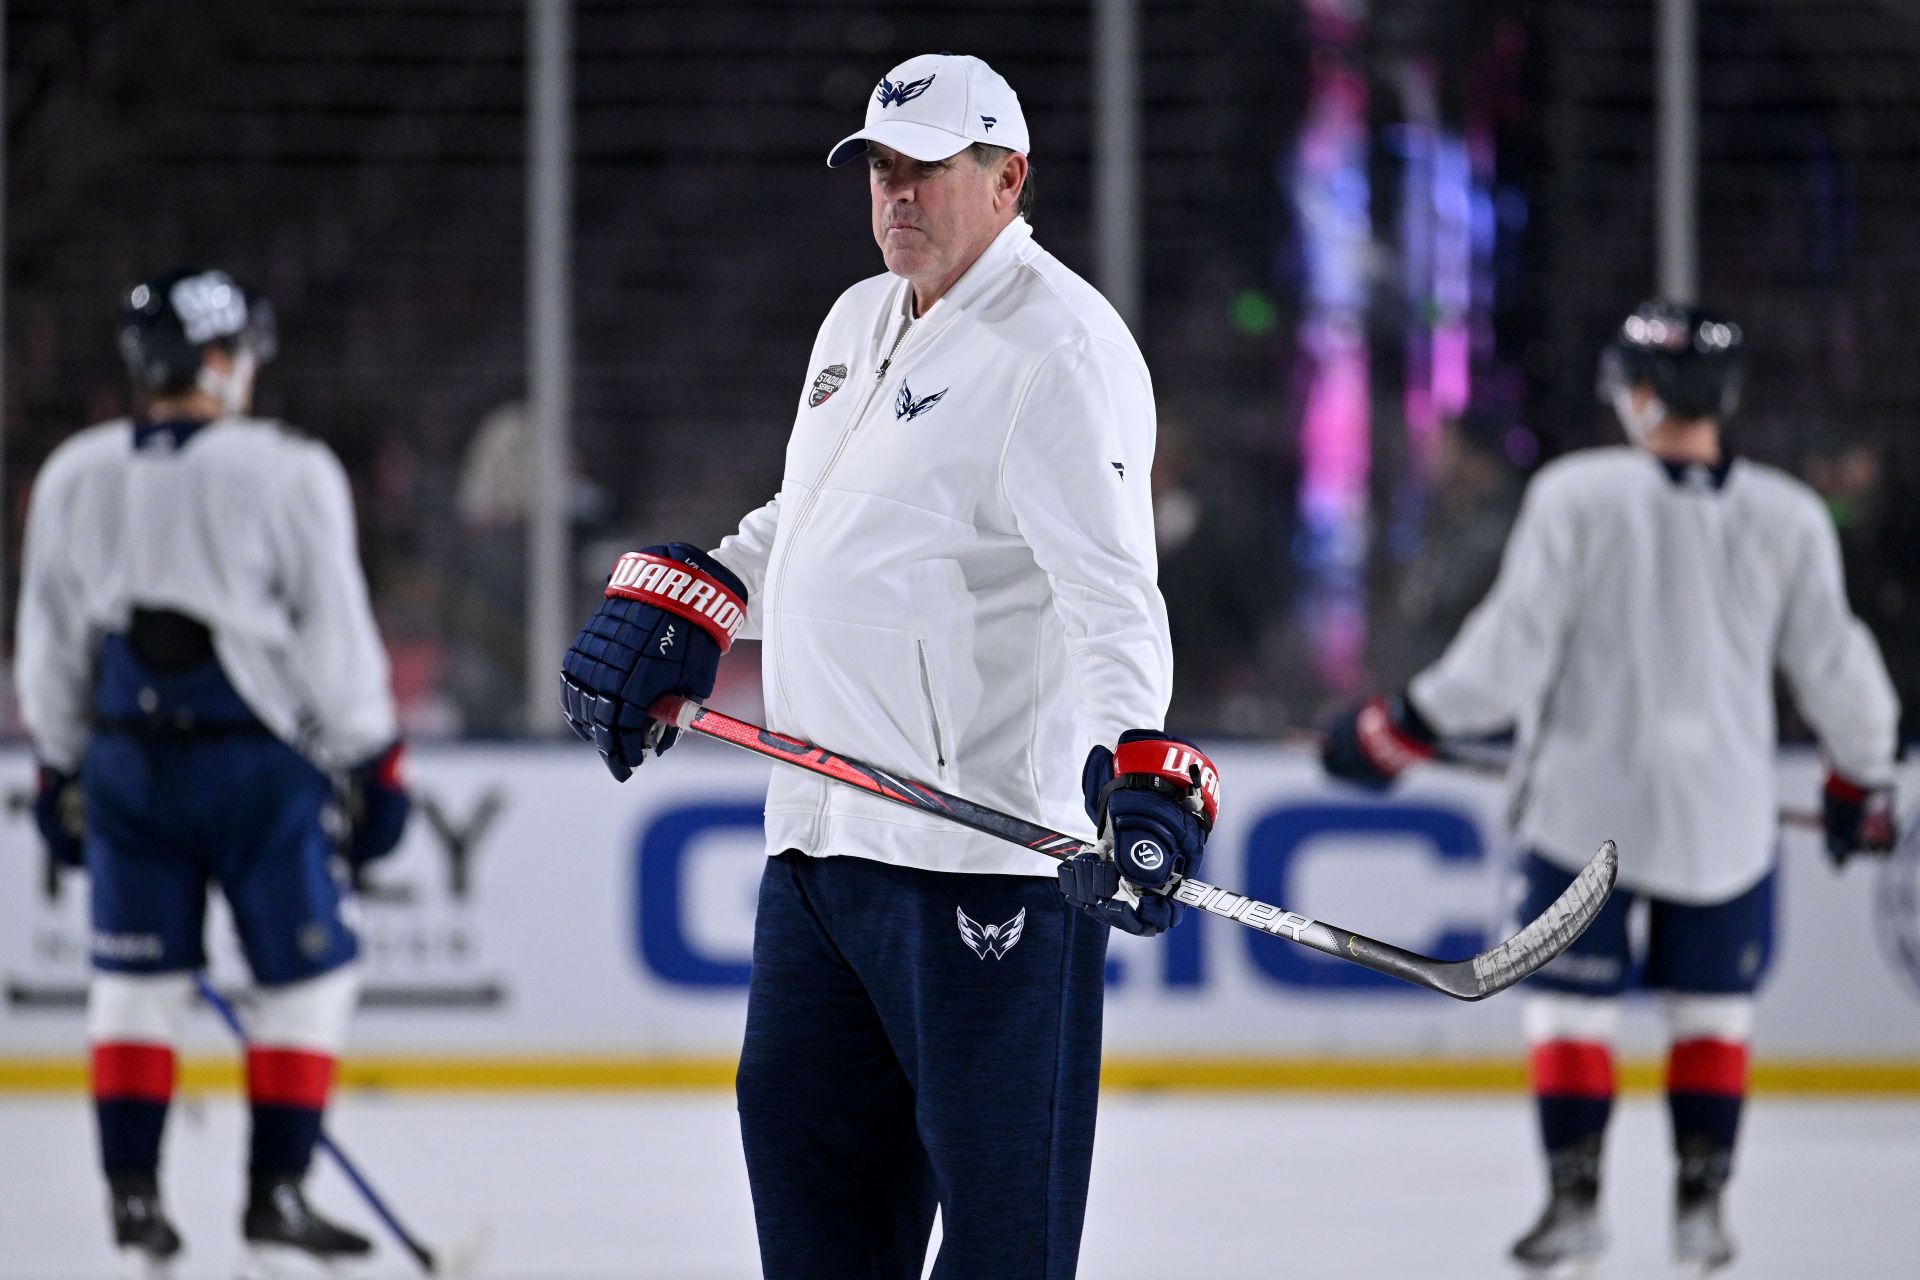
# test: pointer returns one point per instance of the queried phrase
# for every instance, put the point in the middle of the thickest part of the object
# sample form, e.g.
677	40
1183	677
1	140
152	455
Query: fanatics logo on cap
991	939
825	383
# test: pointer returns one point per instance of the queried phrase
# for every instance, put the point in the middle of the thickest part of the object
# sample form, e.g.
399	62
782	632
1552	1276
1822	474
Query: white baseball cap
935	106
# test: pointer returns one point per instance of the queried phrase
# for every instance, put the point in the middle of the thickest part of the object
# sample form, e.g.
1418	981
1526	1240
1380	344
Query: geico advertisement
536	907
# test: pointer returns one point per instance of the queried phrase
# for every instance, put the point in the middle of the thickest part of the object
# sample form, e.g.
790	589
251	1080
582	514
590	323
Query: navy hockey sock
288	1091
1573	1091
132	1085
1706	1090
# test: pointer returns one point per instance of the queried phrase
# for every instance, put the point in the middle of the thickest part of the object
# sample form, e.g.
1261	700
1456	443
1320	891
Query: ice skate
1566	1240
146	1240
286	1238
1701	1244
1568	1236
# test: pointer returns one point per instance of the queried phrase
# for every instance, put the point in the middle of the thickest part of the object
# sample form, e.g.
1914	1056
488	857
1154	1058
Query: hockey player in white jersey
956	580
1647	598
202	680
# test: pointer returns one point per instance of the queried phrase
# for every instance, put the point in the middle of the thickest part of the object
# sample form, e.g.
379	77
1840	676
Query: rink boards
543	927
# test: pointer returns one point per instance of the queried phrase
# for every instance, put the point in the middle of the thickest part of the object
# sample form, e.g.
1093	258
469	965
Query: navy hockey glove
377	806
1155	798
59	810
669	614
1859	820
1375	742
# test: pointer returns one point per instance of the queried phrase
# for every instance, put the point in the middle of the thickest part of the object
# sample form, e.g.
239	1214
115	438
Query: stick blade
1553	931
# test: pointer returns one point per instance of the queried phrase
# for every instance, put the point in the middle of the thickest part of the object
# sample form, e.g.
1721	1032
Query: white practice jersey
1632	638
957	578
246	527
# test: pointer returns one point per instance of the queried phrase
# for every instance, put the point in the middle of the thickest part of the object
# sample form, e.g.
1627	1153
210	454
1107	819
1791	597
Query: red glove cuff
1390	748
1846	791
680	589
1175	762
388	769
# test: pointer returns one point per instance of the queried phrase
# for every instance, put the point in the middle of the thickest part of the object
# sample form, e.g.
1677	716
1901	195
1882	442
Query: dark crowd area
1453	199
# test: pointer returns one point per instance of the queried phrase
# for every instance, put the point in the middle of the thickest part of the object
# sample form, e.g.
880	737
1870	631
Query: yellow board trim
613	1074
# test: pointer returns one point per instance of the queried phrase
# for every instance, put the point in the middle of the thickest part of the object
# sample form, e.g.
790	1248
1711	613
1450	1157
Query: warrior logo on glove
637	649
656	580
1176	761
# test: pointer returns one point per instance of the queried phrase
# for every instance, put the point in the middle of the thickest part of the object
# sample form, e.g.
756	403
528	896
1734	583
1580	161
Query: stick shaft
1470	979
1492	763
421	1254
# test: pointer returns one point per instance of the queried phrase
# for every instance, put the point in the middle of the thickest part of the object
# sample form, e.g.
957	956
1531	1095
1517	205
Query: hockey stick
421	1254
1490	762
1474	978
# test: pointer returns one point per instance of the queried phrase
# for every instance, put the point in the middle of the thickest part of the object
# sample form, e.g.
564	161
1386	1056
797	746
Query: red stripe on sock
127	1070
1572	1069
1708	1066
289	1077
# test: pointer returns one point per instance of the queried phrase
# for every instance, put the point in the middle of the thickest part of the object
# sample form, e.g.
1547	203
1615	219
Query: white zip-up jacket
956	579
247	527
1633	637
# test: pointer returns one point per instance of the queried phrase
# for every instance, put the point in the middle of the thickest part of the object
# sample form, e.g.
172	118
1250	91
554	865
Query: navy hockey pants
1720	948
168	816
919	1038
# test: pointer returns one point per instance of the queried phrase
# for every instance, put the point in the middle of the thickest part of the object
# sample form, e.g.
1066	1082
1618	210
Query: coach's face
932	218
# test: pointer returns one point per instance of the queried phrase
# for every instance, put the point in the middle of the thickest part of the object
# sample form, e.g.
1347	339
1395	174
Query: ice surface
651	1186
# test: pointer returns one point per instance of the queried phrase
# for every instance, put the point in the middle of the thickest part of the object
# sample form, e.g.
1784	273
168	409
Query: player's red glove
1859	819
1375	742
377	806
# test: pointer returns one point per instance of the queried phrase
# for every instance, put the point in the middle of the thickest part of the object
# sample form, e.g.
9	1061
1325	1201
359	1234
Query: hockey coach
956	580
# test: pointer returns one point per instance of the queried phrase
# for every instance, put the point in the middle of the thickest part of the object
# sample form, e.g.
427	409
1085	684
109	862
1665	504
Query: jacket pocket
933	705
857	689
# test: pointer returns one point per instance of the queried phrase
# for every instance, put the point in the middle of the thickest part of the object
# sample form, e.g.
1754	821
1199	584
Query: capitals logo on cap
935	106
890	94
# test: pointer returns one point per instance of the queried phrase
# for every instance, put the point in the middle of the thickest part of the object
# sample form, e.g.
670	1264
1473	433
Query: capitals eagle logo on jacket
906	408
991	939
890	94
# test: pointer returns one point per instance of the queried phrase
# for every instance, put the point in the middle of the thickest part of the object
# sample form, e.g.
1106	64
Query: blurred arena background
1370	249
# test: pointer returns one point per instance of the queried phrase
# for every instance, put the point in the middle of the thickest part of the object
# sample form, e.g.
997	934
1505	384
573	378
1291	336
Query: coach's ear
1009	181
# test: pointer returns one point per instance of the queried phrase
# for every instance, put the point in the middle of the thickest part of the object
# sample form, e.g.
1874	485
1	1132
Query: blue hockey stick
421	1254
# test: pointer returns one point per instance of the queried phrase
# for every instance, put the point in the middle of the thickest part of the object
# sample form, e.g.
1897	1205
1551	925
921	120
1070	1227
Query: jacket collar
1007	249
1697	475
167	434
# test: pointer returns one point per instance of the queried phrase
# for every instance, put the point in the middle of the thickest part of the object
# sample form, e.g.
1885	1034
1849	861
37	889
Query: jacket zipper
833	460
933	713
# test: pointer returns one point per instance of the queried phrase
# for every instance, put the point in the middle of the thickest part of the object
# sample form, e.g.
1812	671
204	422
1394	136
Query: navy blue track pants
919	1038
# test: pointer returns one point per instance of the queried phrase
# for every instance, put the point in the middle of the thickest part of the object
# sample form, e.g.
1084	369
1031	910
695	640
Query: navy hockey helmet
167	322
1692	357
